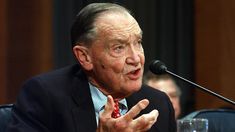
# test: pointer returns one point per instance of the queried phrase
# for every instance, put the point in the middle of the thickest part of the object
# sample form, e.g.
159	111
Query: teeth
133	72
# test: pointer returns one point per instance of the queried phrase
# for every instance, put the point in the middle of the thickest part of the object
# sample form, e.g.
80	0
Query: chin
134	88
127	91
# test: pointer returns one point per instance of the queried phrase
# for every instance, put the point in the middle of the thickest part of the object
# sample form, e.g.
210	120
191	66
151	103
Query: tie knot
116	112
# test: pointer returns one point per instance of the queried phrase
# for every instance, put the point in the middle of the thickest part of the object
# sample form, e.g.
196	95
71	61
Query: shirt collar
99	99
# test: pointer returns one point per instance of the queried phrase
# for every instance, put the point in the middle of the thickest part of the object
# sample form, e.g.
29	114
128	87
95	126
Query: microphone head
157	67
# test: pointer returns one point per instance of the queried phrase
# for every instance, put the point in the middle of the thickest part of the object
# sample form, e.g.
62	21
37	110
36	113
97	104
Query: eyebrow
122	40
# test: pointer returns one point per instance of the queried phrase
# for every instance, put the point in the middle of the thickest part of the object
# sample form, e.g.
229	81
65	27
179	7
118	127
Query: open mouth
135	71
134	74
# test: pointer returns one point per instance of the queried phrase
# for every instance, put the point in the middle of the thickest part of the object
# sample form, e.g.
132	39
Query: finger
109	107
146	121
148	125
152	116
135	110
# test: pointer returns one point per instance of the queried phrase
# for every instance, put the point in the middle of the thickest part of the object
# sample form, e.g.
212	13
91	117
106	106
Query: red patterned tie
116	112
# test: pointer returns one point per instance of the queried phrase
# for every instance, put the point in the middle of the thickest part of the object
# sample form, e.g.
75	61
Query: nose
133	57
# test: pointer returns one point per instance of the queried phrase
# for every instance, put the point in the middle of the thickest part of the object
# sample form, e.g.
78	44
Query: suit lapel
83	113
131	101
135	98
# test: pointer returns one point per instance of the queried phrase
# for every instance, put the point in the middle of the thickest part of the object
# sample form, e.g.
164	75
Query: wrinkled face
117	55
169	87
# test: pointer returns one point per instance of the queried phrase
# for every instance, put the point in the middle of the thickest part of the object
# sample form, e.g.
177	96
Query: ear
82	55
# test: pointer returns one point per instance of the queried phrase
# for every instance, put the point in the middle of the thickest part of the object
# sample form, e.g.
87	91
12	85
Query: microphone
157	67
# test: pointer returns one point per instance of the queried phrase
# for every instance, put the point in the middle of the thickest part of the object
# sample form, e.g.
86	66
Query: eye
138	44
119	48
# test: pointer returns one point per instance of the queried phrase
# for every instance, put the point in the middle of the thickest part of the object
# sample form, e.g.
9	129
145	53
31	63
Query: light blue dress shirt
99	101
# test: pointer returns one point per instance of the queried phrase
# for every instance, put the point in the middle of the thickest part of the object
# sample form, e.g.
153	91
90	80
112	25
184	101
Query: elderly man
86	97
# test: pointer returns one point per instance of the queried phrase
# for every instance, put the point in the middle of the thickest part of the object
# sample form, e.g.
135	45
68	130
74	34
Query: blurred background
194	38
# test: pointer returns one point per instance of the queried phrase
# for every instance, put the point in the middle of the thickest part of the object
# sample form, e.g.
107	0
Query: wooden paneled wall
3	44
25	44
215	50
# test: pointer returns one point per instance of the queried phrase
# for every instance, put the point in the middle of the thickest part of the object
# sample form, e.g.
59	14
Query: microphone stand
202	88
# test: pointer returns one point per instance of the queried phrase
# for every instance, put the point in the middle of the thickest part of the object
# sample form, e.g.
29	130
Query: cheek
115	65
142	58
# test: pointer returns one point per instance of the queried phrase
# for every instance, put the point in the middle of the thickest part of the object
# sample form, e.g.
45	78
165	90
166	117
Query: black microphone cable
158	67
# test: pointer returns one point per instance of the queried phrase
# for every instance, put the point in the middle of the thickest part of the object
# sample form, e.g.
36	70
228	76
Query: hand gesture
126	123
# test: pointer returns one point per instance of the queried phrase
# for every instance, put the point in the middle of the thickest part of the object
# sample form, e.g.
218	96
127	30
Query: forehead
118	25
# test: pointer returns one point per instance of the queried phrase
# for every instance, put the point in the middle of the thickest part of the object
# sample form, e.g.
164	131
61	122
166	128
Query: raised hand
126	123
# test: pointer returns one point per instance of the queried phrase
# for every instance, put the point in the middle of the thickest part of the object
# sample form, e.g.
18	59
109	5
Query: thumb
109	107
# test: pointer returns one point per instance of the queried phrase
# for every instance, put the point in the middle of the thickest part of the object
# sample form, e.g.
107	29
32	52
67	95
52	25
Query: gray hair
83	28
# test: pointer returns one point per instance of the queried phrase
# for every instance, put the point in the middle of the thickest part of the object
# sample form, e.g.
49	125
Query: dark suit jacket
60	101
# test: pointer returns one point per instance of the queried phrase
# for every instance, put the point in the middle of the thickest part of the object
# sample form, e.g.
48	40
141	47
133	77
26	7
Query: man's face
117	55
